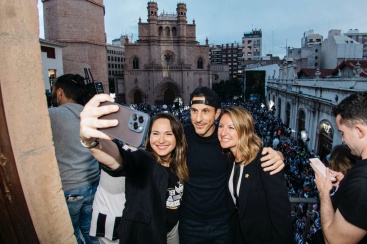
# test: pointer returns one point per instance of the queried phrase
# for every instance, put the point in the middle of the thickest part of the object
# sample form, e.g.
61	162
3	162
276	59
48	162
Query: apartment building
252	45
359	37
230	54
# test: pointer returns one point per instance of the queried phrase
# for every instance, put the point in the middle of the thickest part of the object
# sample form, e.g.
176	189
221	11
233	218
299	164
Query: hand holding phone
132	127
320	167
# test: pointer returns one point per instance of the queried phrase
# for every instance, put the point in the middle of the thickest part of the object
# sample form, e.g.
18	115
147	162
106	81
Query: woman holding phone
259	200
154	177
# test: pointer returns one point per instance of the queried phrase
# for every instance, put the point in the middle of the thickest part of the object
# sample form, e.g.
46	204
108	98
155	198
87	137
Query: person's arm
272	160
334	227
106	152
279	206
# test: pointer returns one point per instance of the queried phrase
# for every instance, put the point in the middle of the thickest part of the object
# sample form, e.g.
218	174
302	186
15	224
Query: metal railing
309	212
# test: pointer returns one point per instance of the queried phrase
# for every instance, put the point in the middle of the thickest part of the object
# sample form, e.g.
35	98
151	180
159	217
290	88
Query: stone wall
28	121
80	25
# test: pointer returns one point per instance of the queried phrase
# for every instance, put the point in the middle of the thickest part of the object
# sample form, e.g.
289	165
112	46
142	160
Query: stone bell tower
80	25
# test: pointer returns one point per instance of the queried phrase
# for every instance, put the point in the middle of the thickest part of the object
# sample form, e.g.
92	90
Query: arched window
135	63
325	143
200	63
168	32
174	31
301	120
160	31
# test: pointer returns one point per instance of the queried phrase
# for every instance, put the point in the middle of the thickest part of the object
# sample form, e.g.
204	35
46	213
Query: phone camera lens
141	119
134	117
136	125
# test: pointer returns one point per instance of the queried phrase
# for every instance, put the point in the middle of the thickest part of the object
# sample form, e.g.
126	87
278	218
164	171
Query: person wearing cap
205	217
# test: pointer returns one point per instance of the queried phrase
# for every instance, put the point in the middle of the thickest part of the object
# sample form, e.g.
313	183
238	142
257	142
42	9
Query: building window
50	51
301	120
160	31
200	63
135	63
174	31
168	31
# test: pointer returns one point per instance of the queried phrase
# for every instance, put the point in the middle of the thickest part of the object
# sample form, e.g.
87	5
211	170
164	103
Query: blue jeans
191	231
80	202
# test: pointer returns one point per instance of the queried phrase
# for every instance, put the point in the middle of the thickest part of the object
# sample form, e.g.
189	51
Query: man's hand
272	160
323	184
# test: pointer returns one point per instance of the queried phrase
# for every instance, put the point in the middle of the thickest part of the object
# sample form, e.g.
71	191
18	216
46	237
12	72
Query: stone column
28	121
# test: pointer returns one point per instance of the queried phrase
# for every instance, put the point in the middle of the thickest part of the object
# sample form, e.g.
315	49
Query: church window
200	63
174	31
160	31
135	63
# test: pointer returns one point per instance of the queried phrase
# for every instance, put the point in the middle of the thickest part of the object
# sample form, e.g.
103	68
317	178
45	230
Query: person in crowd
205	217
343	219
108	204
154	177
342	159
260	200
79	170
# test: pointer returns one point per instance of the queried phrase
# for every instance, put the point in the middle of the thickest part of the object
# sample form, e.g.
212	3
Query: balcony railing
309	202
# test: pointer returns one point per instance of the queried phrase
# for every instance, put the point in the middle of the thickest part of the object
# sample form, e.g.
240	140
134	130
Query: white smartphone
321	167
132	127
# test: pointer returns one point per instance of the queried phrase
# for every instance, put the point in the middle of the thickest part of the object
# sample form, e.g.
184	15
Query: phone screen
320	167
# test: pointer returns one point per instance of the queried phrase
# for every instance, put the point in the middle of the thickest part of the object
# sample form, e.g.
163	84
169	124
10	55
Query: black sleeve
133	161
279	206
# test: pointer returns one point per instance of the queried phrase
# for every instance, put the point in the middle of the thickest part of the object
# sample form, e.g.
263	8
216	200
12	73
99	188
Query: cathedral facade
166	63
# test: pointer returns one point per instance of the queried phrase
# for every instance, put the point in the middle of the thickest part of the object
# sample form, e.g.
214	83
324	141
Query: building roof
309	73
352	64
51	43
344	40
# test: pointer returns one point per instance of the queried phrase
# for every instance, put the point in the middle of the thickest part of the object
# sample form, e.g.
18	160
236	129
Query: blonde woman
260	199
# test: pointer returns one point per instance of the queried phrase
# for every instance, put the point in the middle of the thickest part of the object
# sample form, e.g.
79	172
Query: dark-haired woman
79	170
154	177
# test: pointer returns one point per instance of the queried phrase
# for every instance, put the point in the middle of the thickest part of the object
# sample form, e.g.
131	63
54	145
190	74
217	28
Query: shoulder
189	129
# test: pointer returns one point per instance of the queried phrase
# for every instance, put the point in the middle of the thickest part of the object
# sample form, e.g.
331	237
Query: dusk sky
282	22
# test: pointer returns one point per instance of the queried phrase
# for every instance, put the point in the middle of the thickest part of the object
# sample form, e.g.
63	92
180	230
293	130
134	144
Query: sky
282	22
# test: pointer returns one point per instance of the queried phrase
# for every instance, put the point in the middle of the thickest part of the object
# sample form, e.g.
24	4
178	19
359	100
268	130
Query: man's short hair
211	98
352	108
